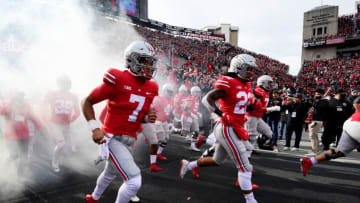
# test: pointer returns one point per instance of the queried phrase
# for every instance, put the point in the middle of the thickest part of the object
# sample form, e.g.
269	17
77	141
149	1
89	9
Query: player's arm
210	99
99	94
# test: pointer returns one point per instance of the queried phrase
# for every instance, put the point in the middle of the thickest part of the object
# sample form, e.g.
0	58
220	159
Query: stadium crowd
341	72
348	25
303	101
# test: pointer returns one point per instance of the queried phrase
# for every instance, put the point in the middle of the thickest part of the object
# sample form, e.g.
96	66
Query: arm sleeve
102	92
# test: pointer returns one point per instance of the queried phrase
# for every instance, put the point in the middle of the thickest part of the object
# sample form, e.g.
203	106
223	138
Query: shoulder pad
111	76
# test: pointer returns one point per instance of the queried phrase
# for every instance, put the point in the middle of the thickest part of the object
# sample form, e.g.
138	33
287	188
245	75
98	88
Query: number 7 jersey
237	97
129	99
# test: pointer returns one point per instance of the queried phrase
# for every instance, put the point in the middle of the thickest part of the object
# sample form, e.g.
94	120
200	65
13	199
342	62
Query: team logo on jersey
127	87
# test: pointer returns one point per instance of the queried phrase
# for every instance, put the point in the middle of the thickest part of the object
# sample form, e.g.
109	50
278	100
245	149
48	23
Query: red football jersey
16	118
129	99
238	97
193	105
258	111
179	103
64	106
163	107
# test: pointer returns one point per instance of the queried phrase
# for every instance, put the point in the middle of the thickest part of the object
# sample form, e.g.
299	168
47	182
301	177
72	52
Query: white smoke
40	40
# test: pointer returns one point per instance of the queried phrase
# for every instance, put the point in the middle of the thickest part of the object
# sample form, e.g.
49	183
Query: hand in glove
273	108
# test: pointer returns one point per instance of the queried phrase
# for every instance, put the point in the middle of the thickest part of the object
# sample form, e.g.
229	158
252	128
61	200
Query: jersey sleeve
223	83
107	89
110	77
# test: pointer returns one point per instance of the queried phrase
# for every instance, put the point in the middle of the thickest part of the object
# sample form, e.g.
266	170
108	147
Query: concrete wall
320	18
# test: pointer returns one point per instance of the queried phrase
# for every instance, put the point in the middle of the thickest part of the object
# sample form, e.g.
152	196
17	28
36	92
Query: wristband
93	124
218	112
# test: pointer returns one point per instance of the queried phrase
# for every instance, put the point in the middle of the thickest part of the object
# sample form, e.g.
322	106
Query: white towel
104	150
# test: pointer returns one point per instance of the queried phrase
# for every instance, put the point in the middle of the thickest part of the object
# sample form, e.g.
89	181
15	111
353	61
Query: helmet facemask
246	72
142	65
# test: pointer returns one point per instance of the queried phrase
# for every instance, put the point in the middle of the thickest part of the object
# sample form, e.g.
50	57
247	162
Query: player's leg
150	134
57	132
252	124
346	145
237	150
121	158
163	135
195	129
186	122
220	155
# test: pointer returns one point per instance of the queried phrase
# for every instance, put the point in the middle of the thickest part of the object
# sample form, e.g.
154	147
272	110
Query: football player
163	105
63	109
179	103
129	95
254	115
190	117
17	115
349	140
234	93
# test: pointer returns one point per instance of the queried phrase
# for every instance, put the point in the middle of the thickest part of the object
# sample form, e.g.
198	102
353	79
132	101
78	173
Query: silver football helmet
183	90
195	91
266	82
243	65
141	59
168	90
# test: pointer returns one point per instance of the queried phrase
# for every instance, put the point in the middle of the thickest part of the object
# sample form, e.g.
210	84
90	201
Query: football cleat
254	186
155	168
200	141
161	157
184	168
195	172
90	199
305	165
134	199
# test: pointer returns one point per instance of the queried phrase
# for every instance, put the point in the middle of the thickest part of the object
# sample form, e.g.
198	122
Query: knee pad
134	184
333	155
245	180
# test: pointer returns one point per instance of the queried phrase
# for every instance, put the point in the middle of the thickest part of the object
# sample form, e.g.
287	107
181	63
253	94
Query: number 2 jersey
237	98
128	100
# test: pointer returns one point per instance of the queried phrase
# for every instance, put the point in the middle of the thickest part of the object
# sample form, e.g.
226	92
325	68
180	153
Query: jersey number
240	107
141	100
63	106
